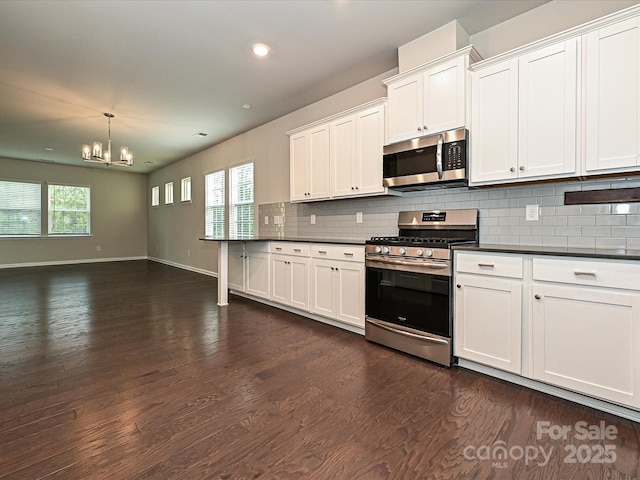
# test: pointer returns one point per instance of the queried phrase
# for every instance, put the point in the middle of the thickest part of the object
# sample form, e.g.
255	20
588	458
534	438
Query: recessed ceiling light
260	49
246	106
48	149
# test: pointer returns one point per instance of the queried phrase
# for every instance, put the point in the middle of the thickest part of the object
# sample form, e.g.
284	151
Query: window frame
247	229
51	211
213	228
38	210
185	190
168	193
155	196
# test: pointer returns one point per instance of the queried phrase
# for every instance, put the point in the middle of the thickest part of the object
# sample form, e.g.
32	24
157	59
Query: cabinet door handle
278	248
322	251
419	128
512	169
586	274
522	168
297	249
348	254
488	265
537	296
458	286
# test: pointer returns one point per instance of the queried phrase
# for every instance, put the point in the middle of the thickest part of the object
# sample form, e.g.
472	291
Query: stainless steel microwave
427	161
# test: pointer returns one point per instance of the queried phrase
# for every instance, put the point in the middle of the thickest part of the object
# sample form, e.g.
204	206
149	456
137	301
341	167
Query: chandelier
98	155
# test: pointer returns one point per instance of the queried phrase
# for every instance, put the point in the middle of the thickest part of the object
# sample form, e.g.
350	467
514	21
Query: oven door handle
408	334
411	264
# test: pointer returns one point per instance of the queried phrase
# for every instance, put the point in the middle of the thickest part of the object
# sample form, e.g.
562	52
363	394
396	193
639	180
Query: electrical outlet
266	219
98	248
313	219
188	253
359	217
531	213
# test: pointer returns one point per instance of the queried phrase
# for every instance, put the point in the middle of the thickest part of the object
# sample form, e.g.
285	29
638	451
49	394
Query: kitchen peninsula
320	278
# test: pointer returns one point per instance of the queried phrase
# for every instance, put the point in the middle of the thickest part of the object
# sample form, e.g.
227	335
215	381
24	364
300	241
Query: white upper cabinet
612	99
339	157
310	164
430	98
525	116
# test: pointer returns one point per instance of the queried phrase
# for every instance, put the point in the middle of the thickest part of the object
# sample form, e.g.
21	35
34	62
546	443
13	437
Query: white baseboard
70	262
184	267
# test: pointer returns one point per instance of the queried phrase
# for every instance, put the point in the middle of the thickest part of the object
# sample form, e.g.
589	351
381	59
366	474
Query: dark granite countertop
339	241
617	254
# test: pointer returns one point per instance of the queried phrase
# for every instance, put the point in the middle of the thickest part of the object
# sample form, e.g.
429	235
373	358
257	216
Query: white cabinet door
322	286
349	277
369	145
612	98
405	109
299	146
280	279
494	111
236	267
548	96
319	162
343	156
299	282
257	274
309	164
588	340
488	321
444	97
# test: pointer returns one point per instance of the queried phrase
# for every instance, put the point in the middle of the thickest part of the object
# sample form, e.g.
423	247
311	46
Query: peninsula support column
223	273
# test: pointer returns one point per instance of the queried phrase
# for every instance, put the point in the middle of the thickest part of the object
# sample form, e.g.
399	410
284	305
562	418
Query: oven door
410	312
415	300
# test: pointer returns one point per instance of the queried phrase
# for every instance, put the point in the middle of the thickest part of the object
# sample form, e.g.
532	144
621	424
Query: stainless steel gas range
409	296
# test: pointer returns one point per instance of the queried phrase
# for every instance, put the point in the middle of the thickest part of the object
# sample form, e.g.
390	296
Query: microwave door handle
439	156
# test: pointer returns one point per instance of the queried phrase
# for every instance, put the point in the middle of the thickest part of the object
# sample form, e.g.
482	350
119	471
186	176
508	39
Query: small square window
185	189
155	196
168	193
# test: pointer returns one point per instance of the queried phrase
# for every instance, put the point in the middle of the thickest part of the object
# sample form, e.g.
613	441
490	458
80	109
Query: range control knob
429	253
403	251
385	250
420	252
378	249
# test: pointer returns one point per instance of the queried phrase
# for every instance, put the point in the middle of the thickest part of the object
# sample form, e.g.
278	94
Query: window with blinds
241	200
20	211
155	196
214	204
69	210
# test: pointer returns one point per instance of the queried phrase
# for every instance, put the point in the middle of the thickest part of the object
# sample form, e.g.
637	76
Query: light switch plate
531	213
313	219
359	217
266	219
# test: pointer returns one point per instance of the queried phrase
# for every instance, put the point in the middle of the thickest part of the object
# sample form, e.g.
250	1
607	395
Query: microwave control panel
455	156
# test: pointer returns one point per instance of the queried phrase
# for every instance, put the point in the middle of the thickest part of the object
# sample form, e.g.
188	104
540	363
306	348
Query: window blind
214	204
241	200
20	212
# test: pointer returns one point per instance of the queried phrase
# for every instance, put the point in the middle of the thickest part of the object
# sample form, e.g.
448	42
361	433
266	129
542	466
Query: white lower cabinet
257	271
488	310
236	266
574	321
585	329
290	280
337	286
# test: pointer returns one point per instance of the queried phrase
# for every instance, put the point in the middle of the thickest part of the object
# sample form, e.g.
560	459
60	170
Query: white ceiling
171	69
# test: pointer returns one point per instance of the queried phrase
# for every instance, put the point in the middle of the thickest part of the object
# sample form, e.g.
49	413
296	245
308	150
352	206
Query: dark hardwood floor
129	370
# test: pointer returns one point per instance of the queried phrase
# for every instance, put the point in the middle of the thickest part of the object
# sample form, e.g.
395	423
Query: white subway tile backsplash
502	215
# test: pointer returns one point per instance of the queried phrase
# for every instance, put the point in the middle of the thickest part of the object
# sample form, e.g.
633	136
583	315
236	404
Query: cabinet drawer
600	273
487	264
338	252
291	248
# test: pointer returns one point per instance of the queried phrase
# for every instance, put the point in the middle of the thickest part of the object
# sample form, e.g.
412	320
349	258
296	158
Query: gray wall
118	215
